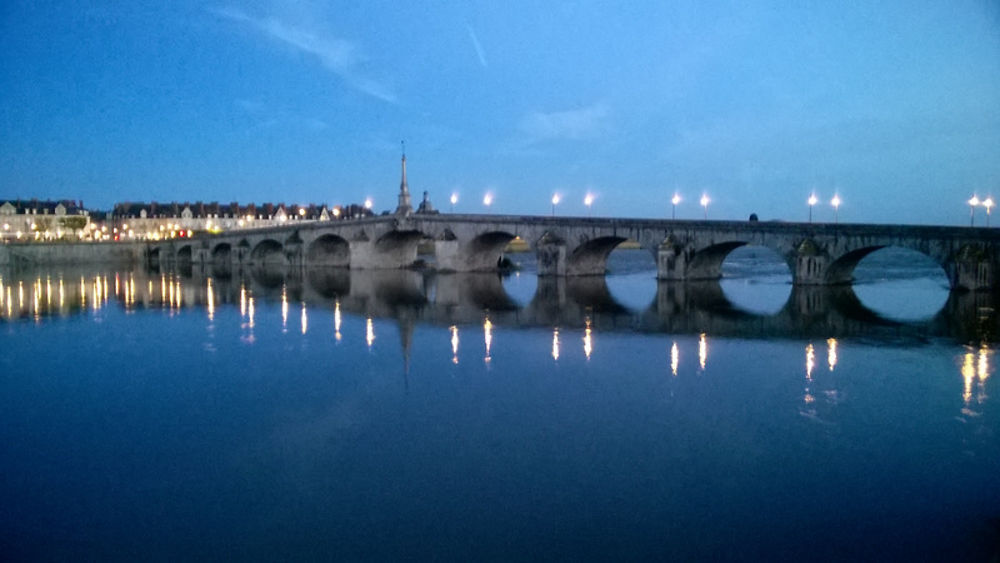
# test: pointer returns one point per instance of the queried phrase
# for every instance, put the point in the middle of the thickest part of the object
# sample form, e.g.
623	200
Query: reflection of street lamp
588	200
555	200
673	206
988	203
812	201
454	200
704	203
973	202
835	202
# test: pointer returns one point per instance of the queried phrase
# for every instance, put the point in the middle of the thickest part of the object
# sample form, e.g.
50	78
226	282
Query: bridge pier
973	269
550	251
671	260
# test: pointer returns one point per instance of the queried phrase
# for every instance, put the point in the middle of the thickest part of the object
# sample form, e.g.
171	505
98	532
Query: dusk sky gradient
893	105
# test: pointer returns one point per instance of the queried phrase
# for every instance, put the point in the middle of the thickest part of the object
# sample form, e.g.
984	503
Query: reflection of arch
330	282
184	256
329	250
268	252
591	257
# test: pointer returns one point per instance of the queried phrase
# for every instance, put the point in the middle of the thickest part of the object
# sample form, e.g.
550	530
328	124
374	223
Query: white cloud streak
577	124
477	46
337	55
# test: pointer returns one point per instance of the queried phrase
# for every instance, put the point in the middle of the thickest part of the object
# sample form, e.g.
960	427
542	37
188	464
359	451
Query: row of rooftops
216	210
36	206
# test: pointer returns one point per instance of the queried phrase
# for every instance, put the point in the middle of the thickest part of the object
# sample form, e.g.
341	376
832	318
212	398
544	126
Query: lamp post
973	202
368	203
988	203
704	203
454	200
488	199
588	200
673	206
835	202
812	201
555	200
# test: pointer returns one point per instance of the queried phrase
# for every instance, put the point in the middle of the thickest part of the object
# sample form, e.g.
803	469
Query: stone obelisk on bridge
405	207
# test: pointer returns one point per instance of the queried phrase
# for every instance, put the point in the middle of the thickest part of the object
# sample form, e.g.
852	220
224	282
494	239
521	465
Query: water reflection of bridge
468	298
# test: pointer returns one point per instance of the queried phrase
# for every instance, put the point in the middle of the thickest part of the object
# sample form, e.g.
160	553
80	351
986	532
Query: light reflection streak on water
62	294
588	344
36	295
454	344
702	351
968	376
118	291
975	370
983	373
336	320
555	343
675	357
369	332
488	338
243	301
104	286
284	308
250	312
96	305
210	299
10	303
48	292
305	320
810	360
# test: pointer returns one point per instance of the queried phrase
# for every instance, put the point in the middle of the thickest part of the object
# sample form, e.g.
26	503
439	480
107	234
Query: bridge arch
398	248
269	252
329	250
485	251
184	256
222	253
591	257
706	263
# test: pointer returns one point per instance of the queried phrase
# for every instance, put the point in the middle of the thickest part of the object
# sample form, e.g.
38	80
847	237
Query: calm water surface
401	415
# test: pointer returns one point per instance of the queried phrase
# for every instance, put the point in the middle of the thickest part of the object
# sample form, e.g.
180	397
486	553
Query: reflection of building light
284	308
369	332
968	376
588	343
454	341
488	337
831	352
304	321
702	351
62	294
810	360
211	299
555	344
675	358
336	320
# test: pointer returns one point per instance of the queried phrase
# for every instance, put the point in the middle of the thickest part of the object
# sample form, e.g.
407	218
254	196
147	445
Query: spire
405	207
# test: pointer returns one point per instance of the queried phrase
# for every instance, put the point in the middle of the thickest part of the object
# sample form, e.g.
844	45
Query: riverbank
52	253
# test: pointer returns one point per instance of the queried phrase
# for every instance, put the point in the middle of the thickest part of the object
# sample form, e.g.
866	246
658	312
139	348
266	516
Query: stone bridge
816	253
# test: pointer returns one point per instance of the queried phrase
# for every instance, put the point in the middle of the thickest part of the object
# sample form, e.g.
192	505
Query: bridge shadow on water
468	299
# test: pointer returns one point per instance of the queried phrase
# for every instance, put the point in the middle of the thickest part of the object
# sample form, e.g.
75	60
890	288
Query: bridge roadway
816	253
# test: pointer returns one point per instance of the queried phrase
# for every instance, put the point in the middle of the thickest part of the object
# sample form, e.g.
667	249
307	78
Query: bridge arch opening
486	252
399	248
222	253
756	279
269	253
329	250
898	283
184	255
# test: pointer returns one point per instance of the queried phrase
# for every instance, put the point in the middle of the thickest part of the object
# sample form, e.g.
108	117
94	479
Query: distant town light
368	203
302	212
704	203
588	200
454	200
336	212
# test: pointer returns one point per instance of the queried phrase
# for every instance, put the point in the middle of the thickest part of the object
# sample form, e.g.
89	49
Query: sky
893	106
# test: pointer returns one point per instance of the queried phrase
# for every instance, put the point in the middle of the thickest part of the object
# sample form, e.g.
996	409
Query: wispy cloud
337	55
477	46
572	124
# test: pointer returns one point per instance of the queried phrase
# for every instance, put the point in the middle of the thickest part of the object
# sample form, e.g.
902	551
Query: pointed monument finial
404	207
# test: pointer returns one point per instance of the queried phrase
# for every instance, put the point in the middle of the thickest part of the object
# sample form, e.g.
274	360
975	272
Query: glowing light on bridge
488	199
454	344
973	202
673	205
555	201
453	200
368	203
835	202
675	358
811	201
588	200
988	204
831	353
704	201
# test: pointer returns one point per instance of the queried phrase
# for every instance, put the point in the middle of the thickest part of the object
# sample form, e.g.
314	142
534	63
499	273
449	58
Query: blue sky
895	105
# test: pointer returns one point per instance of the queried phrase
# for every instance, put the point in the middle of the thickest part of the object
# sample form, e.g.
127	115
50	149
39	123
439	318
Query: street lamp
835	202
973	202
704	203
555	200
454	200
368	203
988	203
488	199
673	205
588	200
812	201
